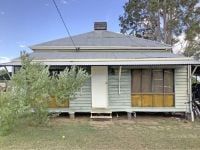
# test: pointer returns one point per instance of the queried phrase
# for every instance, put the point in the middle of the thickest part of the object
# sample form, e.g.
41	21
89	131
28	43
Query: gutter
114	60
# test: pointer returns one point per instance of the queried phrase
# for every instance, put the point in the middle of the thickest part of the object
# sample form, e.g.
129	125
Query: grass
81	133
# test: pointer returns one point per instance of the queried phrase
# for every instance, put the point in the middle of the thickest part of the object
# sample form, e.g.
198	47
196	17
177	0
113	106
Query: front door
99	75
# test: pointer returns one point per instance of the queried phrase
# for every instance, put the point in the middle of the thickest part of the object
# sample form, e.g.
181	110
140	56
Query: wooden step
101	113
101	117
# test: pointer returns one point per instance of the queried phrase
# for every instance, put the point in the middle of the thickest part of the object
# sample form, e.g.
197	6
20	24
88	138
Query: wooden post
190	91
119	80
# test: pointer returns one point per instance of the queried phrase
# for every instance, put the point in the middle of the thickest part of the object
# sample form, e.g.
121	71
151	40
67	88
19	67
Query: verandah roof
63	55
106	58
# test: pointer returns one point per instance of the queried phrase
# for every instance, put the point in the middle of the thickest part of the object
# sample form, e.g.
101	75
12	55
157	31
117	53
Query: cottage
128	74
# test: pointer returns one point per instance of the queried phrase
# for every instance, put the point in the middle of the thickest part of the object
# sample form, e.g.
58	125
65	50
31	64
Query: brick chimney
100	25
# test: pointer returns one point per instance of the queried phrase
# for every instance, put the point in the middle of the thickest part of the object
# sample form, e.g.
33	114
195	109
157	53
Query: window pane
146	80
157	81
168	81
136	81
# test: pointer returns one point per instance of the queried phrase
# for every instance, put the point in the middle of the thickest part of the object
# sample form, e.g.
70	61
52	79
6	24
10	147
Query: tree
30	90
36	87
193	48
66	84
165	19
31	83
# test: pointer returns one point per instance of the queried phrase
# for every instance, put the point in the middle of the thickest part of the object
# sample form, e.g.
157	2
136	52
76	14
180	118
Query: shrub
10	110
32	83
30	90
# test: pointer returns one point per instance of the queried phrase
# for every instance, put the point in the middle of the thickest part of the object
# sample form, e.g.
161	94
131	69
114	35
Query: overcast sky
27	22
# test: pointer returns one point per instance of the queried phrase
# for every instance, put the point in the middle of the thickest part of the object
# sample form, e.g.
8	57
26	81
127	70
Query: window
152	88
56	70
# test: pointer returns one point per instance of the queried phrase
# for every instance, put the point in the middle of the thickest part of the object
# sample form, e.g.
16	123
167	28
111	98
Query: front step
101	117
101	113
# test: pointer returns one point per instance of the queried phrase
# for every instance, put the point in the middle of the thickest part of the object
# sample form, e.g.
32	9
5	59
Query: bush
30	90
10	110
67	83
31	83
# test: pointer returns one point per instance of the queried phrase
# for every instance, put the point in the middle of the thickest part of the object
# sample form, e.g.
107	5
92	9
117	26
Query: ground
144	132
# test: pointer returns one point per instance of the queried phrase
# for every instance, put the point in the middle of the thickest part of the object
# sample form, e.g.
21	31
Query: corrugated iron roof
100	55
109	63
106	58
102	39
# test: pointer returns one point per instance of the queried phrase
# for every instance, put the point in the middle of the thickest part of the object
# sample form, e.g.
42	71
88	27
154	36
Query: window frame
167	98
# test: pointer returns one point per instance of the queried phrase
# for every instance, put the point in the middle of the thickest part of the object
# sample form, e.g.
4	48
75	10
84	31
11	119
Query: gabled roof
102	39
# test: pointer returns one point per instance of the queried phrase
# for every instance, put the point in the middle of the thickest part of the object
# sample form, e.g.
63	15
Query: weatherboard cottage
128	74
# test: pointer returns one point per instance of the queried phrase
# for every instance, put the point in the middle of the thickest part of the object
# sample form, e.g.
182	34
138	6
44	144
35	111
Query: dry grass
81	133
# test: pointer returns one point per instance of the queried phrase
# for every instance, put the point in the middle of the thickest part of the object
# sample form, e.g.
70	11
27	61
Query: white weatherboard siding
181	89
99	83
122	101
83	101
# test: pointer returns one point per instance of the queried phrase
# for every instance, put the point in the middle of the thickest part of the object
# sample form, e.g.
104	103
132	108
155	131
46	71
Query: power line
64	24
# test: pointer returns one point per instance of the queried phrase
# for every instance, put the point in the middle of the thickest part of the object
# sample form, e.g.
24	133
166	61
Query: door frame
106	86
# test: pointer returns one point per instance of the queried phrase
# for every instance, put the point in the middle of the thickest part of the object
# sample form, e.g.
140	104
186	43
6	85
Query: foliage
10	110
66	84
193	48
2	72
7	114
30	90
163	18
31	83
4	75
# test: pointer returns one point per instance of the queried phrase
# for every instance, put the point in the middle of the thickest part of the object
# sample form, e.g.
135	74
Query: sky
27	22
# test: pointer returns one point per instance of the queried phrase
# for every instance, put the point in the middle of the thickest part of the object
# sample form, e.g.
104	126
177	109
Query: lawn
144	132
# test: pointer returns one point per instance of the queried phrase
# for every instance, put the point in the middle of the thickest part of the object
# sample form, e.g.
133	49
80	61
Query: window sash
153	81
136	81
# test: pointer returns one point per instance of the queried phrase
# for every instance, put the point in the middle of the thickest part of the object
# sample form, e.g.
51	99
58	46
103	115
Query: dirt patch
101	124
146	120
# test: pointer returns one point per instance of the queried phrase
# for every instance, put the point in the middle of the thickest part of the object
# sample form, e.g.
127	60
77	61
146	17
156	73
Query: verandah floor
144	132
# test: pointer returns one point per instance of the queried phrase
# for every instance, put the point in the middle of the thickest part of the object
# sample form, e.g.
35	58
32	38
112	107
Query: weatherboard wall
121	101
83	100
119	97
181	88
